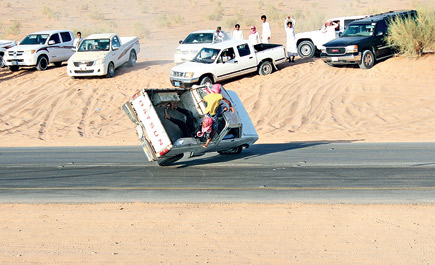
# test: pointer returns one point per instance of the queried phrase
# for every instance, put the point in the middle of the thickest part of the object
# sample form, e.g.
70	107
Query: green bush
217	13
14	28
413	37
141	31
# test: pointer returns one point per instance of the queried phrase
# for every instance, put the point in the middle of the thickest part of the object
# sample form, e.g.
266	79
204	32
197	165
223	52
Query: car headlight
100	61
177	51
29	52
352	48
188	74
323	49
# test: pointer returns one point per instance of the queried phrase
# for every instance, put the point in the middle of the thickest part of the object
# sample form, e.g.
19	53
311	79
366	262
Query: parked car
40	49
364	41
227	59
163	141
4	45
194	42
101	54
309	43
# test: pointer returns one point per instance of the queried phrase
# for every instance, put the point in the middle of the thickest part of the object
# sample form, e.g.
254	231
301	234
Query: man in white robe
289	26
266	33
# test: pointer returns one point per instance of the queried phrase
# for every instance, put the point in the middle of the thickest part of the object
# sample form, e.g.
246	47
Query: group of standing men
266	34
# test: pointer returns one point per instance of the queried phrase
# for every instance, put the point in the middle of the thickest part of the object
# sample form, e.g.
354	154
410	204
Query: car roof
350	17
378	17
51	31
100	36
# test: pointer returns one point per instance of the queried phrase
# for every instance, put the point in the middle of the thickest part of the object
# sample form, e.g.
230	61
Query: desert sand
305	101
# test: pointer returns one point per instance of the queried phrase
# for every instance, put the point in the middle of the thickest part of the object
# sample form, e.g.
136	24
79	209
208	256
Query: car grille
90	63
335	51
177	74
83	71
18	53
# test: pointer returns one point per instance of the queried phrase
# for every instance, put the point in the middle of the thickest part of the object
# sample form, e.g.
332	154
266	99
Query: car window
381	28
243	50
195	38
65	36
34	39
55	37
359	30
115	42
91	45
347	22
227	55
206	55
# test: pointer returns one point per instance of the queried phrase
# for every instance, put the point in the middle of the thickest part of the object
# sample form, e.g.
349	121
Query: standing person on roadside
289	26
218	35
77	40
237	33
254	37
266	33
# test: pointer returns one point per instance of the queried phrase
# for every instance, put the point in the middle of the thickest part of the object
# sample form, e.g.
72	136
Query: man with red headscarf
254	37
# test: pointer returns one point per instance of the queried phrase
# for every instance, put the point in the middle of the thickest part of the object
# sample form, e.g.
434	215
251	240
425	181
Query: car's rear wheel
58	64
367	60
233	151
42	63
265	68
132	59
306	49
170	160
2	63
110	70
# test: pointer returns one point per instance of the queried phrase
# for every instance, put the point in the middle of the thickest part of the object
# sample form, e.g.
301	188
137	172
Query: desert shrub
163	21
230	22
248	22
141	31
83	7
49	13
96	15
112	24
7	5
273	13
14	28
178	20
217	12
413	37
260	4
311	22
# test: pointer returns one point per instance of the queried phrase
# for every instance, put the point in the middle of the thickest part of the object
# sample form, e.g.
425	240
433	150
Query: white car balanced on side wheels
101	54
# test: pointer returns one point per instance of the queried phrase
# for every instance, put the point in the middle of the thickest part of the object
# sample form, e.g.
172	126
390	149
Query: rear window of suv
359	30
65	36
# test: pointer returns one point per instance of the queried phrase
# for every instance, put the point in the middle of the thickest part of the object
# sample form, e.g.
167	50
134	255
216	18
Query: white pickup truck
227	59
40	49
309	43
101	54
4	45
163	141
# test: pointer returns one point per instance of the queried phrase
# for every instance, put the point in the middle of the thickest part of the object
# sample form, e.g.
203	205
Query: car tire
42	63
58	64
132	59
233	151
2	62
110	70
170	160
13	68
367	59
206	79
265	68
306	49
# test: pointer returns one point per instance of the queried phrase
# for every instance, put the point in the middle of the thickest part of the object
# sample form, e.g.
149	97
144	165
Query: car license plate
177	83
14	62
83	65
334	59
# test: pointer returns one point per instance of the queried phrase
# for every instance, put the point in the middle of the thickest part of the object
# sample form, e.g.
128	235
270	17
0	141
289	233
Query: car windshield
359	30
206	55
34	39
196	38
90	45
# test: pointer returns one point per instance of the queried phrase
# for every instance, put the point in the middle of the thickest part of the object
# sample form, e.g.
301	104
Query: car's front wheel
306	49
233	151
110	70
367	60
2	63
170	160
206	79
42	63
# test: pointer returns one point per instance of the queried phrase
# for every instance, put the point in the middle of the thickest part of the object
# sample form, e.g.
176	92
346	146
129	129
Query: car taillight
166	150
135	95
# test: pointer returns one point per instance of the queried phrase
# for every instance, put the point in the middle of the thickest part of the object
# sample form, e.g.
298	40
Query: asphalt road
295	172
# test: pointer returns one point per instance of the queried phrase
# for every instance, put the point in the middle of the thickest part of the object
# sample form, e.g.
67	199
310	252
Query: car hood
345	41
27	47
190	47
191	67
88	56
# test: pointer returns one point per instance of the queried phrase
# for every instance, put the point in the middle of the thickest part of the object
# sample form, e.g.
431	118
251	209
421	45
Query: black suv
364	41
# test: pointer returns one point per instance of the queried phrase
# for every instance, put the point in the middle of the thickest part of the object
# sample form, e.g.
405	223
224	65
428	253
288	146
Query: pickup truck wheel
42	63
132	59
58	64
110	70
168	161
233	151
2	63
205	80
265	68
13	68
367	60
306	49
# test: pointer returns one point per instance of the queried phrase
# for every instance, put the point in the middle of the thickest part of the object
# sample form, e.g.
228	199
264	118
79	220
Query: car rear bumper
354	58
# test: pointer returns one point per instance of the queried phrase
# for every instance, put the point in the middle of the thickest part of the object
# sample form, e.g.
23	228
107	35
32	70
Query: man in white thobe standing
266	33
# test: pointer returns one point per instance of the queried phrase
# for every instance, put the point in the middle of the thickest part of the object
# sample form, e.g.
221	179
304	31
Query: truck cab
163	141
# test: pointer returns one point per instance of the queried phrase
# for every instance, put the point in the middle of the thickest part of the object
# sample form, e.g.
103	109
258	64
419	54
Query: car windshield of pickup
90	45
33	39
359	30
196	38
206	55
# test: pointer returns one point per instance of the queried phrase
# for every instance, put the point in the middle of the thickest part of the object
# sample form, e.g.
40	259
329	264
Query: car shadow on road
255	151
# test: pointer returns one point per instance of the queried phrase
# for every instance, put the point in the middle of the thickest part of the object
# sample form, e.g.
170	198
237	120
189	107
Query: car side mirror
51	42
339	34
73	49
115	48
180	42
